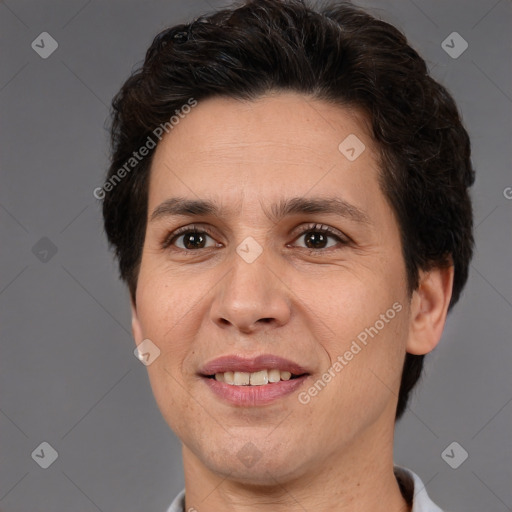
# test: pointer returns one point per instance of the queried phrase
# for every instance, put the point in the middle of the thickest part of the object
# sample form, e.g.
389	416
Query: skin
334	453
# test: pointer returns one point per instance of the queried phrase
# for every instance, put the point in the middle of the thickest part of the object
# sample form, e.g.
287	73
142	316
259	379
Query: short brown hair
339	54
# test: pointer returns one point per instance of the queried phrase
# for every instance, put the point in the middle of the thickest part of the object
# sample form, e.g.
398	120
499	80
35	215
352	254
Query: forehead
236	150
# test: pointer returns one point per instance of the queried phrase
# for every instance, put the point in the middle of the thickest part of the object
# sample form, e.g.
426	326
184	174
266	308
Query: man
288	201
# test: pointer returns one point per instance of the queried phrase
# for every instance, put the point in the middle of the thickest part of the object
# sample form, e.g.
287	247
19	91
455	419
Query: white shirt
420	500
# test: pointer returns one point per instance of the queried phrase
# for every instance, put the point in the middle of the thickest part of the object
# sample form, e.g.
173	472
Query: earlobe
429	307
136	327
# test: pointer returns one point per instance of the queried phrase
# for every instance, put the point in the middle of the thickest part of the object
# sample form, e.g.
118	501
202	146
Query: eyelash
321	228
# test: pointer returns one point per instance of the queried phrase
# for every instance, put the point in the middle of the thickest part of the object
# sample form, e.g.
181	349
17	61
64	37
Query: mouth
264	369
253	382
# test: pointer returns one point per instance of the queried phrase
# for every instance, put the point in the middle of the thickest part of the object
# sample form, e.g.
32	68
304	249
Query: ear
136	327
429	307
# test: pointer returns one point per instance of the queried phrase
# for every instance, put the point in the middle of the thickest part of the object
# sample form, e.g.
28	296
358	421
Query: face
289	260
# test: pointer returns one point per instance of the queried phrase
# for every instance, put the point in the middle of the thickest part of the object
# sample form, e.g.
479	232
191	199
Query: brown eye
191	239
315	240
319	237
194	240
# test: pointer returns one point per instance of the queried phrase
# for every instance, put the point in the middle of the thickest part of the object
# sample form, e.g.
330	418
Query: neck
359	479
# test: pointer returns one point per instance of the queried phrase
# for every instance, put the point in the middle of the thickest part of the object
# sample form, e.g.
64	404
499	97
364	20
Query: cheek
362	316
164	301
349	299
168	316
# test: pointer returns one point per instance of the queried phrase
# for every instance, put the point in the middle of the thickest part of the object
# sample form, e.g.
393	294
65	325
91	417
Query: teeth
259	378
241	378
254	379
274	375
285	375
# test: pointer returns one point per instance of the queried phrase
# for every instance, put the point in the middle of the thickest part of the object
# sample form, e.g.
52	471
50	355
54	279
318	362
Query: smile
252	381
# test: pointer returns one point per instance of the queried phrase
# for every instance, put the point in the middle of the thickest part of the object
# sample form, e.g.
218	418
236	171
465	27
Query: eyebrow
179	206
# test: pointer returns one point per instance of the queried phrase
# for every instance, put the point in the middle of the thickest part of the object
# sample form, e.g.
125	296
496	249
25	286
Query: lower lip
248	396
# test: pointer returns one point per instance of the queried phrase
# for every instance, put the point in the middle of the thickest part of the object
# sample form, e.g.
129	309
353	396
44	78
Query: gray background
68	373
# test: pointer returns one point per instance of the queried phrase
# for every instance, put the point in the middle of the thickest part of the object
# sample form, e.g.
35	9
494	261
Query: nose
251	297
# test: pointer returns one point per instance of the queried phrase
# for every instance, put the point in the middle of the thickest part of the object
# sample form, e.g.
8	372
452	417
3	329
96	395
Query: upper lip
234	363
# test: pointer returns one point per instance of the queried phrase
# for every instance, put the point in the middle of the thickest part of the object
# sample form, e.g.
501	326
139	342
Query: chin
259	464
261	475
